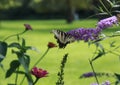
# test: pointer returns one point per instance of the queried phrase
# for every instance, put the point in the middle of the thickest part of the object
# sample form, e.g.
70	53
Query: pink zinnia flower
38	72
27	27
51	45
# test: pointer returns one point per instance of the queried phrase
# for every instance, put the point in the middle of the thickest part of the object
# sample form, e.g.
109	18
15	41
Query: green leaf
23	42
101	9
28	48
101	51
118	79
3	50
100	54
18	38
117	83
27	59
112	44
1	65
24	61
100	46
11	84
13	66
117	76
20	72
16	45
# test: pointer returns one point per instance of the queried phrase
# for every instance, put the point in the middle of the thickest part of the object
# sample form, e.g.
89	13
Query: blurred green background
79	52
44	16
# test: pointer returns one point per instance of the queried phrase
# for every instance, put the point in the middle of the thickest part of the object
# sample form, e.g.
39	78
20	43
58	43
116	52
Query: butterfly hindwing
63	38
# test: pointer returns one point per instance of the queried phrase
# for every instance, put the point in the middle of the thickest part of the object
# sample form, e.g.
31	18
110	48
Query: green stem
14	35
16	76
94	71
105	8
41	57
36	81
105	38
22	80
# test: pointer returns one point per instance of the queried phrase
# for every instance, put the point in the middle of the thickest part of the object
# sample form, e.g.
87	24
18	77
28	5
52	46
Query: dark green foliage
3	50
23	58
16	45
118	79
117	76
22	47
13	66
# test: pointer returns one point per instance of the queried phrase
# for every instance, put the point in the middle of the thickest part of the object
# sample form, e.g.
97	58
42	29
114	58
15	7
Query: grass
79	52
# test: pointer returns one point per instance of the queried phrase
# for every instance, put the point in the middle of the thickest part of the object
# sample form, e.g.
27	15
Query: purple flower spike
108	22
85	34
87	75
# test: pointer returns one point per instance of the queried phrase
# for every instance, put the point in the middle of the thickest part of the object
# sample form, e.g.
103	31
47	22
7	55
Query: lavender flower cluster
93	33
108	22
85	34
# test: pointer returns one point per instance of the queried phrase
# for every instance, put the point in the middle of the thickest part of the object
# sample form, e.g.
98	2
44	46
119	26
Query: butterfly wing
63	38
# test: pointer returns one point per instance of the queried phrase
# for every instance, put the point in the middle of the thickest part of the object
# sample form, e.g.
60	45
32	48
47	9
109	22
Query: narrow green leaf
100	46
1	65
23	42
100	54
13	66
28	48
112	44
101	9
101	51
18	38
20	72
14	44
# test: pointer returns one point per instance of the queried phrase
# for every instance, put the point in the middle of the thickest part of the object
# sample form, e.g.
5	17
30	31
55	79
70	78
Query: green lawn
79	52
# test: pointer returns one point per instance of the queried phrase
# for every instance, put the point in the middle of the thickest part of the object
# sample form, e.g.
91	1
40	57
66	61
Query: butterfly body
63	38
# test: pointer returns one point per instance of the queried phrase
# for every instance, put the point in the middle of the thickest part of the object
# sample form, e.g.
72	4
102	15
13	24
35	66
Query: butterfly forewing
63	38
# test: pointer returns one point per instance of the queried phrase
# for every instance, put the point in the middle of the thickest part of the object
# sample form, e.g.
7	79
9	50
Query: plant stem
22	80
36	81
41	57
16	76
112	36
14	35
93	71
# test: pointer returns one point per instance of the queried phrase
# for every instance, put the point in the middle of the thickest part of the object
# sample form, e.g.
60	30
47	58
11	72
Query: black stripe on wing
63	38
